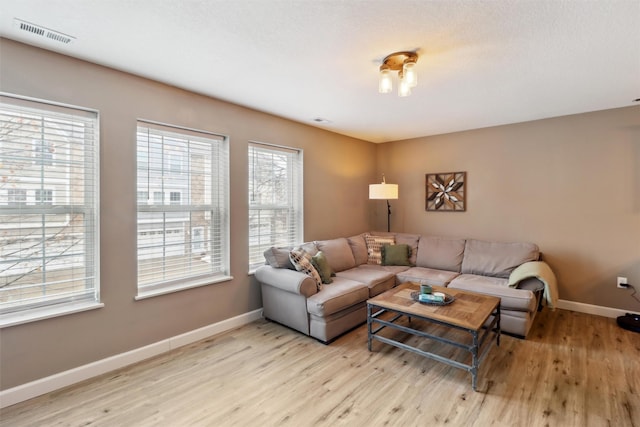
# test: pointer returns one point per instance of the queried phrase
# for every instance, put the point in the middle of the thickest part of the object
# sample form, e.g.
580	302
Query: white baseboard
591	309
63	379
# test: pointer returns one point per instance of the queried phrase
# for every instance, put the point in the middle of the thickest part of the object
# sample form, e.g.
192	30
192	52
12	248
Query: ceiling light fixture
405	64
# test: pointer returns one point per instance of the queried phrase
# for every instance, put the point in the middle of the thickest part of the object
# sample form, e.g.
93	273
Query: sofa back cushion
338	253
359	248
412	241
440	253
496	259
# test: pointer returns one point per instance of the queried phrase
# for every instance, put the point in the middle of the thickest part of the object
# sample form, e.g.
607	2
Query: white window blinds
275	199
48	205
182	191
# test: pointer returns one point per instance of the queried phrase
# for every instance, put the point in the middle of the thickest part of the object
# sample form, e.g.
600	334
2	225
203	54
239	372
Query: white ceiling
482	63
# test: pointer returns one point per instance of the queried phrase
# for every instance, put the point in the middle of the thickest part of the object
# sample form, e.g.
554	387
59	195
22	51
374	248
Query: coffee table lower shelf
478	348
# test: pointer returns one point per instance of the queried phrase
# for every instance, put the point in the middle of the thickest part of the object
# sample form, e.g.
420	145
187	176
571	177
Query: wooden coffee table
468	312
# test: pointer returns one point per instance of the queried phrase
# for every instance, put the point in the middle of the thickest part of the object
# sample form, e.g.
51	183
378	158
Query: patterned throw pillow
302	262
374	247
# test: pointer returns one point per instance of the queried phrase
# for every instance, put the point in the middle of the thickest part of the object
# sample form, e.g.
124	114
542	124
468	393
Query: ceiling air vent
41	31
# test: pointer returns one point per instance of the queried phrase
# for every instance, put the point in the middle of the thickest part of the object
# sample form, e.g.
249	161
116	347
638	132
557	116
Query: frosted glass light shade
403	88
383	191
385	84
410	74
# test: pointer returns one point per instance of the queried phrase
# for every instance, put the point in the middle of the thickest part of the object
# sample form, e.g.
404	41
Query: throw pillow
278	257
302	262
374	247
396	254
320	262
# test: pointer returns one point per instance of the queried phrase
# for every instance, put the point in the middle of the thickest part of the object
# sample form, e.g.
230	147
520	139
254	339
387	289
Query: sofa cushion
278	257
320	263
510	298
341	294
395	254
359	248
440	253
428	276
302	262
395	269
374	247
496	259
376	279
338	253
411	240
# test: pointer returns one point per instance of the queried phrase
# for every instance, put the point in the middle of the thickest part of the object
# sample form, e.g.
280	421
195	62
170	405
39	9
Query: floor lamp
386	192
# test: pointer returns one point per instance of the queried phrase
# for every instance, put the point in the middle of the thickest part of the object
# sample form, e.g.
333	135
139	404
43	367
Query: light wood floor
573	370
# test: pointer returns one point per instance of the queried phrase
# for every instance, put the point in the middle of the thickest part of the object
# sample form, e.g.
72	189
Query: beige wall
569	184
40	349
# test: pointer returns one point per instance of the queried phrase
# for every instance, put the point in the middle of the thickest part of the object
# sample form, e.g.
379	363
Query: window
44	197
174	197
48	254
143	196
158	197
43	152
176	162
197	237
183	231
17	196
275	199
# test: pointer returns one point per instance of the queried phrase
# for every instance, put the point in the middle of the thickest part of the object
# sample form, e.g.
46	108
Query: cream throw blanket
540	270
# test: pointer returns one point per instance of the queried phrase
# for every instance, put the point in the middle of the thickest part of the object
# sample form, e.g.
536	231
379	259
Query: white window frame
77	129
168	263
289	203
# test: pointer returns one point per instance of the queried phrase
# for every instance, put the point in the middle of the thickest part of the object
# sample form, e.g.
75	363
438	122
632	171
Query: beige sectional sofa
325	311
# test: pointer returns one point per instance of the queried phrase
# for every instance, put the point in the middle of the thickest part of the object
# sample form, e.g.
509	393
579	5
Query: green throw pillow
396	254
319	261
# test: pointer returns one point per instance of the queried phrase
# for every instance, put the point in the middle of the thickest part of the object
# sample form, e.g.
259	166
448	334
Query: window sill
179	287
34	315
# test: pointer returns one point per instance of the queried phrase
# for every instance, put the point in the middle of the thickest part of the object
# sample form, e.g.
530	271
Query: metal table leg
474	362
369	321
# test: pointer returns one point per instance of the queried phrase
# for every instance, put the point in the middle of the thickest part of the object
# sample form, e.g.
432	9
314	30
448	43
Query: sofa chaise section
486	267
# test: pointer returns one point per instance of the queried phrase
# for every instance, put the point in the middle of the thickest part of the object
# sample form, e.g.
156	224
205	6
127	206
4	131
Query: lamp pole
388	216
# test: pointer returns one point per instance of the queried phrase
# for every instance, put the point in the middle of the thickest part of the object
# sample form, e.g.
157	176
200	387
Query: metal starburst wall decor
446	191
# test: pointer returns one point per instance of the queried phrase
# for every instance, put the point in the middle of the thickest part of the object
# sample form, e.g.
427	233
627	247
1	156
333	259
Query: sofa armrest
287	280
531	284
534	285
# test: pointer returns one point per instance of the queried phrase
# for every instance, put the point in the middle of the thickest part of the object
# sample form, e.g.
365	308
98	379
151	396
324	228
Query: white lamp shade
385	84
410	74
383	191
